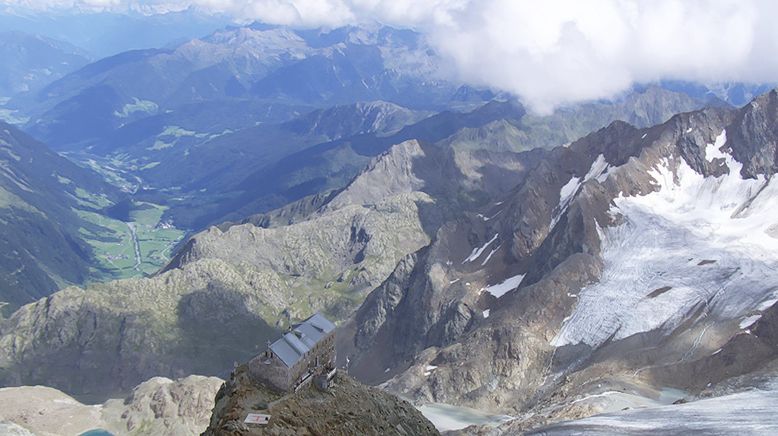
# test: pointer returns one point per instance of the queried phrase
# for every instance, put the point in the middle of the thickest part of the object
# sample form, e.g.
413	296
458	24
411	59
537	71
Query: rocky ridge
345	408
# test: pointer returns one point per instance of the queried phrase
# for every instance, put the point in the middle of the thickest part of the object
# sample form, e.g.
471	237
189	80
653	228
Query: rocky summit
345	407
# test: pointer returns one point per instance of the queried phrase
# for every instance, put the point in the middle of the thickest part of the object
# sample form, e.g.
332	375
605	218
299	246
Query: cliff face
346	408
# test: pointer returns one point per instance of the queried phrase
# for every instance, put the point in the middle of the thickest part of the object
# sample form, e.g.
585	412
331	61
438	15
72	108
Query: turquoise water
446	417
96	432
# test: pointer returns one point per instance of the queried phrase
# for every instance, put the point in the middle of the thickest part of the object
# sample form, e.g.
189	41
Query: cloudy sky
548	52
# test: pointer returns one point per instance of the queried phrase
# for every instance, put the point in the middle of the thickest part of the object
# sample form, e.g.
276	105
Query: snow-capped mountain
640	261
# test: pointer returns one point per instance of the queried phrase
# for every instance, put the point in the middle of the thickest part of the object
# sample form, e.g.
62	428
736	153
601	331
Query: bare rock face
47	411
359	118
754	136
391	173
158	406
345	408
164	406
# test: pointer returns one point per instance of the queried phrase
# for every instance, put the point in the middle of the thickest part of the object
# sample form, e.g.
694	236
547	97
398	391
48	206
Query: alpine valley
168	211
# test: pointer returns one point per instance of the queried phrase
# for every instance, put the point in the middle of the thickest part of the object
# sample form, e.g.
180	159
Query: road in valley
136	245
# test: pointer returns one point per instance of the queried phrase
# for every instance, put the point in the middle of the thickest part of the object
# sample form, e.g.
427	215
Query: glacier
697	243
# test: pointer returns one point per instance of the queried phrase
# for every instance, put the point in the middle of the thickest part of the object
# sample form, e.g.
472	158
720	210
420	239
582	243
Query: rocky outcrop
103	341
164	407
753	138
158	406
346	407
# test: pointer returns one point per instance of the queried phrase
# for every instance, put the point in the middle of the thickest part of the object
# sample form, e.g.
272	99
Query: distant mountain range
278	66
225	126
102	34
31	62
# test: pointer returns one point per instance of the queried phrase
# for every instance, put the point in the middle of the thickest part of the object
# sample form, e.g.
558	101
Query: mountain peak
753	135
346	406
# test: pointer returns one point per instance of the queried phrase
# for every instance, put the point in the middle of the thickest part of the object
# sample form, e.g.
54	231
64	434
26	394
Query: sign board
257	418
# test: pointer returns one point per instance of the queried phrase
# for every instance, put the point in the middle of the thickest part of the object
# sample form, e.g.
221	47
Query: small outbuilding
305	351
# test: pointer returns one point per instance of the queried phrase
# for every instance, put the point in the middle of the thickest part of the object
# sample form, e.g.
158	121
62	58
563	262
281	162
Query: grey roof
301	339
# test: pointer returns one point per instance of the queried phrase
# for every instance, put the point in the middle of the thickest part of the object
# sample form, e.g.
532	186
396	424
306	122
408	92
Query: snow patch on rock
598	171
749	321
504	286
477	252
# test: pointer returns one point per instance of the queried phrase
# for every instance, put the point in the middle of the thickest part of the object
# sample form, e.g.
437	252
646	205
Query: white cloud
558	52
551	52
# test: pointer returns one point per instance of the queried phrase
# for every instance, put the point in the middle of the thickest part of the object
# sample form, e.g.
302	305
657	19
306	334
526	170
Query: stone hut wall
324	350
269	369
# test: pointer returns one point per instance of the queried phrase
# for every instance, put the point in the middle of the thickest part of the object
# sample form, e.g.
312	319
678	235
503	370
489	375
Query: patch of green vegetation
178	132
9	199
86	198
138	105
9	151
335	297
111	173
11	116
160	145
6	309
155	238
63	180
114	245
223	133
171	135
